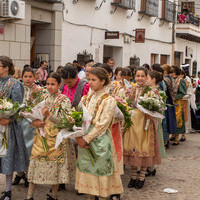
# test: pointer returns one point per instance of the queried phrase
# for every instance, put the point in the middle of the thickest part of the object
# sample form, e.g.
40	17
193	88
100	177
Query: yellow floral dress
55	166
116	89
103	116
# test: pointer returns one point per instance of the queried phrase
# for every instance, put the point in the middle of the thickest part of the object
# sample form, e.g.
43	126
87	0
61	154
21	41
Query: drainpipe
173	36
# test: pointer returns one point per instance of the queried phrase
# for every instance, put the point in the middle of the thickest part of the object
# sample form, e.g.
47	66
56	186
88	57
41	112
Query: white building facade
61	31
85	23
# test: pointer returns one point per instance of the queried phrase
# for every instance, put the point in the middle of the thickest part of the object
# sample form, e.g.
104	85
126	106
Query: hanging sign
140	36
112	35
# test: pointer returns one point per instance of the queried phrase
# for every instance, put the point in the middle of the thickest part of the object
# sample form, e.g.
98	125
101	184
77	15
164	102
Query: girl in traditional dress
181	88
30	87
153	80
170	112
102	177
51	166
17	157
141	148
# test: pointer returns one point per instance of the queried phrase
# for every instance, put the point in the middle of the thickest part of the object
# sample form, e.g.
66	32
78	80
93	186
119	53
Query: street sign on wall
112	35
139	35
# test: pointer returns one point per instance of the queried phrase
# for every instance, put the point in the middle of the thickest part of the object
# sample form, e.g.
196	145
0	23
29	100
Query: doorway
115	53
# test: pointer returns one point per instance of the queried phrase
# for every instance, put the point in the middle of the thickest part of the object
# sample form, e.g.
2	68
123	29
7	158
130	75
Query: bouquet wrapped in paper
73	125
36	114
8	108
35	98
152	103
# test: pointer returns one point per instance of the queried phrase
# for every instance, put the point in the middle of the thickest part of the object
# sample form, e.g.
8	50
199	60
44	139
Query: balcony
149	7
125	4
187	27
168	11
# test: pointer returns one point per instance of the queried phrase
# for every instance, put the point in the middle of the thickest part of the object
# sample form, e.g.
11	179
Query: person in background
36	81
88	68
132	68
59	68
81	71
43	73
18	74
111	63
74	87
170	113
187	102
26	66
118	73
146	66
75	63
181	88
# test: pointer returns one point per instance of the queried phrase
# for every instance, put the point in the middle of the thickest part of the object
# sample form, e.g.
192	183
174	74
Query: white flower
8	105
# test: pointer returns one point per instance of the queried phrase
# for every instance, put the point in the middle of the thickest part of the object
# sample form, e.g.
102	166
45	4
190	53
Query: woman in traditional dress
181	88
170	112
187	103
47	164
141	148
17	157
30	88
102	177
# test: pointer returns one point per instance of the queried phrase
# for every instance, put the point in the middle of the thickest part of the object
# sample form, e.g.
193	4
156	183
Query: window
168	10
126	4
190	6
149	7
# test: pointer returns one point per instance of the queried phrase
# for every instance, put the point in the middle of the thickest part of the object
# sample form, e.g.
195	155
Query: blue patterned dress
17	157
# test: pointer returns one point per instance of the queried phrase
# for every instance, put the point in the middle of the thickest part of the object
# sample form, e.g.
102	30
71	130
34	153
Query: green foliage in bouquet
8	105
69	120
127	116
36	98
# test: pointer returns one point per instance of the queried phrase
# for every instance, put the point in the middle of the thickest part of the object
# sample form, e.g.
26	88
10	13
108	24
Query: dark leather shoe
6	194
132	183
149	173
167	145
17	179
30	198
139	184
172	139
49	197
26	183
182	139
61	187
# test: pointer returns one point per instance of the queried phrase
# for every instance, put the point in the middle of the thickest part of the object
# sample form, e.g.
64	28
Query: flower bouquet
35	98
126	110
36	114
75	124
8	108
153	103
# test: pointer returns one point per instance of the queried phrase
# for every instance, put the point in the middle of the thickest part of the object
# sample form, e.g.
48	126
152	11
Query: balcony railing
53	1
126	4
149	7
188	19
168	11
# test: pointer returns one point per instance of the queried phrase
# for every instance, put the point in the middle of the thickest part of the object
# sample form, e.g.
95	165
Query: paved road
180	171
